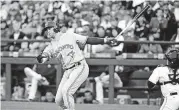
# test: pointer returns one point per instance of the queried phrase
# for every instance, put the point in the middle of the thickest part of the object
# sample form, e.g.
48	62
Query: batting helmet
173	56
50	24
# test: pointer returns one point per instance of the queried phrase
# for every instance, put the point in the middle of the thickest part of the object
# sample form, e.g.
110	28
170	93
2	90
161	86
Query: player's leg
59	97
77	76
31	73
35	78
99	90
34	81
33	89
34	75
117	80
170	103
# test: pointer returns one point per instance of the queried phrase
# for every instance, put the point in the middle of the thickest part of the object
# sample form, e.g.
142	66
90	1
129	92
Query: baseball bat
133	20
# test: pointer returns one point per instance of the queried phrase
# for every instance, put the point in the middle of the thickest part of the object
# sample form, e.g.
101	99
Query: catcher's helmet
173	56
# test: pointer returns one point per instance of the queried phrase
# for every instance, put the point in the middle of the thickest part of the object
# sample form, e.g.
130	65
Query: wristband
105	40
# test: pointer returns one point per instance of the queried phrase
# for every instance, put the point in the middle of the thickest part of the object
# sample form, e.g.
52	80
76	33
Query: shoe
44	81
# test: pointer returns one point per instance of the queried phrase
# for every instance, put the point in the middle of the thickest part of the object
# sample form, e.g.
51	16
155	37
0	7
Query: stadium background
93	18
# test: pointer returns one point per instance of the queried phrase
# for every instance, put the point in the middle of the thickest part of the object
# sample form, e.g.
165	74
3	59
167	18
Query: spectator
125	19
105	21
158	24
151	48
86	97
150	13
18	93
49	97
129	36
4	11
89	98
141	28
5	33
103	81
124	73
95	25
40	75
176	10
18	34
14	13
101	32
138	9
172	24
175	38
29	16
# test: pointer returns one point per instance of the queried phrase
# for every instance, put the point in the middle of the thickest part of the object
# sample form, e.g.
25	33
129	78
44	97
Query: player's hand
112	42
39	58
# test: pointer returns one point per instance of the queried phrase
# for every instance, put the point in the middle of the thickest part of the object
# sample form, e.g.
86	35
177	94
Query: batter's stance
65	47
167	77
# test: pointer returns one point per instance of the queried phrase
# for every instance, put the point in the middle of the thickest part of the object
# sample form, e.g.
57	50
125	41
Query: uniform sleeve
80	38
48	51
154	76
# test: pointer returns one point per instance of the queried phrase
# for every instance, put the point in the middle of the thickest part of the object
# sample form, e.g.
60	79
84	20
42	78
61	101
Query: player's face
50	33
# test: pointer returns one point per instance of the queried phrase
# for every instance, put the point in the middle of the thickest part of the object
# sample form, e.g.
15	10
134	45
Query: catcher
167	76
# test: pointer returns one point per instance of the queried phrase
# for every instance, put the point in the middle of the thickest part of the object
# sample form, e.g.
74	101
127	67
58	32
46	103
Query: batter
65	47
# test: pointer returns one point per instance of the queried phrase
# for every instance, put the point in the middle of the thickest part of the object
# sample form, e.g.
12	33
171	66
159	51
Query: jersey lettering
61	48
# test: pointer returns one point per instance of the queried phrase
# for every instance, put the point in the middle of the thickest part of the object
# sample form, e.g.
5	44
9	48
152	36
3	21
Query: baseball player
65	46
38	75
167	76
103	81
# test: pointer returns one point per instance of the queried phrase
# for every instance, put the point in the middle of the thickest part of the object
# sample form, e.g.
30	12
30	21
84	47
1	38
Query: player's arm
150	85
45	55
94	40
153	79
42	58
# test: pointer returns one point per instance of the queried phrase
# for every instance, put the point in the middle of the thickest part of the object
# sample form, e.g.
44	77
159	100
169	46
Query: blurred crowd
26	19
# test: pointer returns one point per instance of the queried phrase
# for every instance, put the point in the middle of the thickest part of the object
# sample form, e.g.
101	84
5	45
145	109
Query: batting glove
39	58
112	42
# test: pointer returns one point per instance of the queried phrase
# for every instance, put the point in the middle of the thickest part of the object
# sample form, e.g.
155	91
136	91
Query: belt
76	64
167	82
173	93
